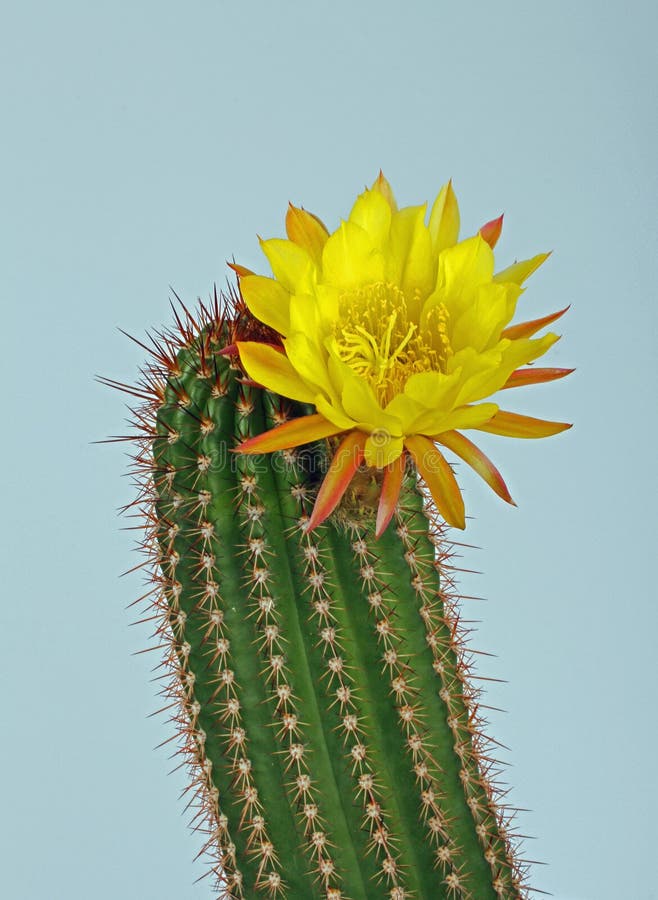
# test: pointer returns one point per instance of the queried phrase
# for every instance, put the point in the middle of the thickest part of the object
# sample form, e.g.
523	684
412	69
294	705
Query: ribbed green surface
232	546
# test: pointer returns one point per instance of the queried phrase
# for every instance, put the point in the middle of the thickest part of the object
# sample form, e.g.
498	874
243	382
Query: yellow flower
398	333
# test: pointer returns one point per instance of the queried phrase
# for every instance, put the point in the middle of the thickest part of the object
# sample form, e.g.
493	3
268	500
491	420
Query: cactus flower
398	334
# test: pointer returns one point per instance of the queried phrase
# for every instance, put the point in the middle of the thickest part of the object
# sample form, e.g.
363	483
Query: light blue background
145	143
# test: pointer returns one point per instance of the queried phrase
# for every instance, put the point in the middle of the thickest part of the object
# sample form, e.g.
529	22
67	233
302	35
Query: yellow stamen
378	342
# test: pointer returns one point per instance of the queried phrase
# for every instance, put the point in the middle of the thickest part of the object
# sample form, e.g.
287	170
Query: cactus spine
319	680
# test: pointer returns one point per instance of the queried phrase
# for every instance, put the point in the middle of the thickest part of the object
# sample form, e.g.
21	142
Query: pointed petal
350	258
307	231
291	264
393	477
359	402
475	458
302	430
436	422
491	231
268	300
439	478
462	268
232	349
511	424
239	270
411	264
444	219
381	184
527	329
346	461
518	272
372	212
522	377
273	370
307	360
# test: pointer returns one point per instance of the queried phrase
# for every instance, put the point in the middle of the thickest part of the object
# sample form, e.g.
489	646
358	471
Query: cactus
319	680
297	509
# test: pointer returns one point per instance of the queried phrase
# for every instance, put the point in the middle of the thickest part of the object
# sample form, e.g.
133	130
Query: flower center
378	340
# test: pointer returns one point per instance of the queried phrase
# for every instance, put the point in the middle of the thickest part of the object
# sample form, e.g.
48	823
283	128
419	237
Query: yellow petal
406	410
307	231
480	323
273	370
306	359
465	265
334	412
520	271
439	479
525	350
360	403
511	424
411	264
381	184
357	398
478	372
305	317
464	417
372	212
350	260
444	219
291	264
327	298
433	389
381	449
267	300
338	370
487	372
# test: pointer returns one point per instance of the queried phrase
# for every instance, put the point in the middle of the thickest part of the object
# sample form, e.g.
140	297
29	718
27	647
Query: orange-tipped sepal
476	459
234	350
438	476
301	430
491	231
388	500
384	188
523	377
509	424
527	329
240	271
347	459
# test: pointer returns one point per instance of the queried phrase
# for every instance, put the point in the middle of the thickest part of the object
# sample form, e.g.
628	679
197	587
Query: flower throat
376	338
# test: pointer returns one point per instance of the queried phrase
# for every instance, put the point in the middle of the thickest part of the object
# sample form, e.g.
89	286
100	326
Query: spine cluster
319	681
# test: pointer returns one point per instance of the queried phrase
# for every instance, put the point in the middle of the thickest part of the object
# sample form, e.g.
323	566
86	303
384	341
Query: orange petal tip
491	231
347	459
515	425
527	329
298	431
466	450
439	478
531	375
240	271
388	500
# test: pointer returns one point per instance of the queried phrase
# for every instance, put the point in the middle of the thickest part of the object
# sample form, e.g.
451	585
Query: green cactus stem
320	680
